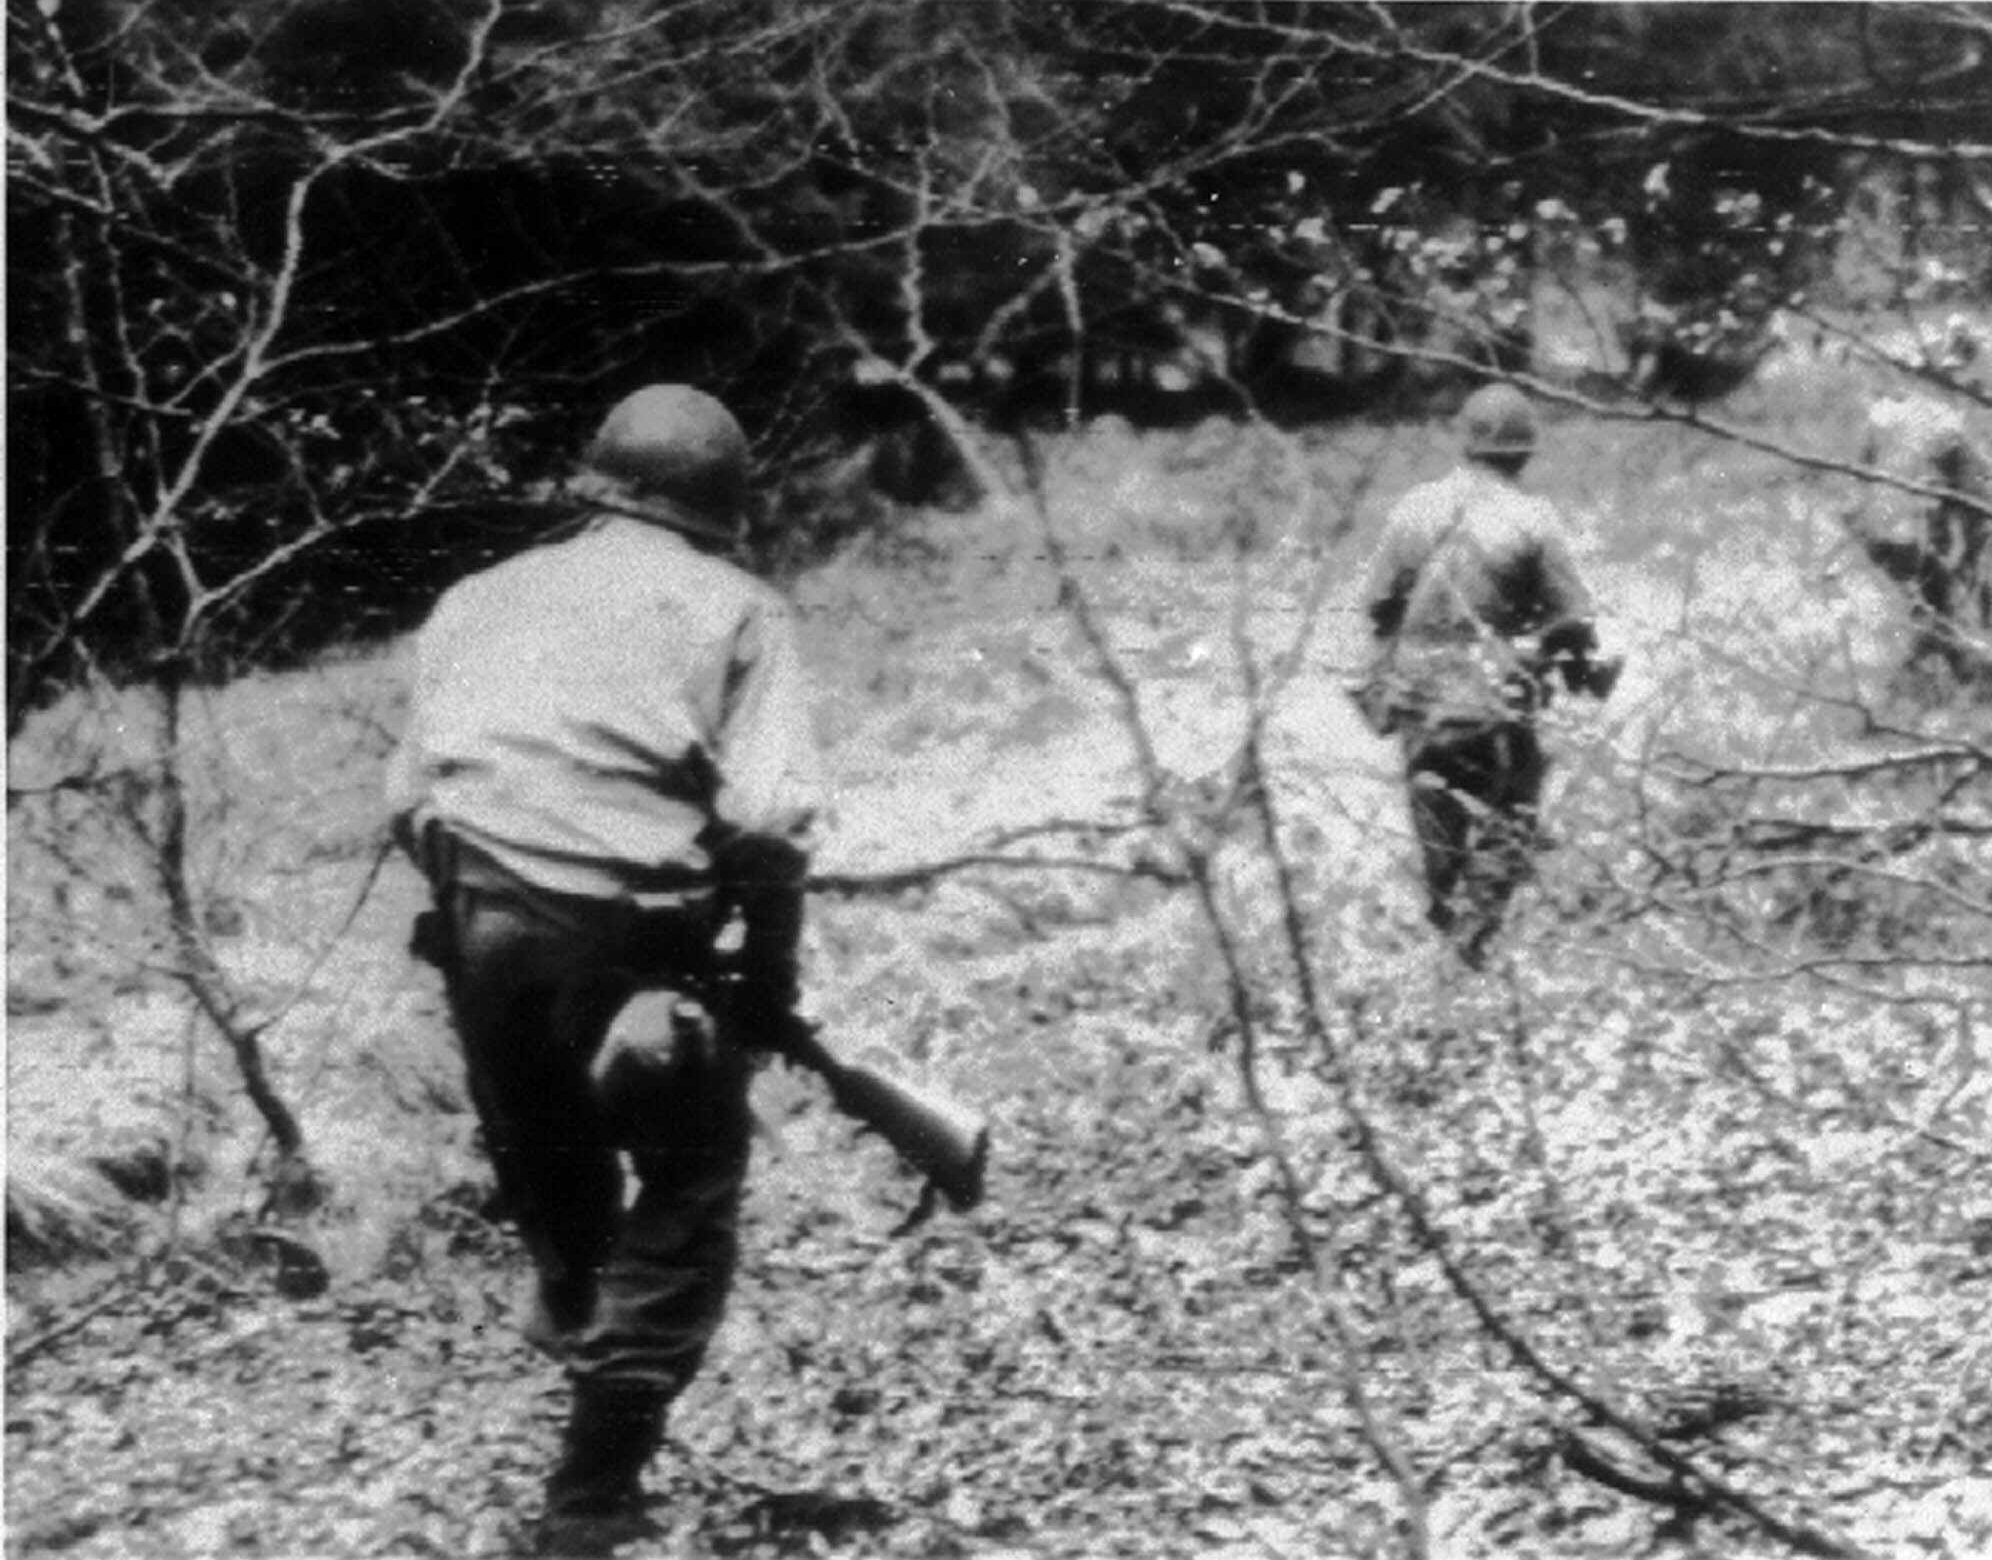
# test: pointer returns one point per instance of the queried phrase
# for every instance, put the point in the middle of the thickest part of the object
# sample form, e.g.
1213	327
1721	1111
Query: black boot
594	1497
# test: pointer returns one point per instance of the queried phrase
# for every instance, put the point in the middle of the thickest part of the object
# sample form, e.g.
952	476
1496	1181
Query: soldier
1473	598
606	759
1939	553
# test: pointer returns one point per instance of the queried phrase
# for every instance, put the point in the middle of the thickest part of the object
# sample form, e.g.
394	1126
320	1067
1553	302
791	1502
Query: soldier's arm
1560	592
766	752
767	803
1393	572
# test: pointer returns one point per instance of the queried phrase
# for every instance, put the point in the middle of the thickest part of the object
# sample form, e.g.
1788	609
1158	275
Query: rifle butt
942	1139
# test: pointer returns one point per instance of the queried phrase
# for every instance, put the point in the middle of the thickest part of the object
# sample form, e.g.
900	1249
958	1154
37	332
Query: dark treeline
299	290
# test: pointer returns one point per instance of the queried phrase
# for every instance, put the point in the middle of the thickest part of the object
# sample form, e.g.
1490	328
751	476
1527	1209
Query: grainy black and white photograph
998	780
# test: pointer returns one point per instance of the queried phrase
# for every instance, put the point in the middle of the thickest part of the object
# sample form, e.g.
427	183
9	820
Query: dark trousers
1475	792
631	1289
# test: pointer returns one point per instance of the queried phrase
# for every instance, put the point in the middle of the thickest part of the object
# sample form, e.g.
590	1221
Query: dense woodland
1082	344
303	295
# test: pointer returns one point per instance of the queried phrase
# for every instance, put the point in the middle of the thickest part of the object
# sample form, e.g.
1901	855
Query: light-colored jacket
598	714
1469	568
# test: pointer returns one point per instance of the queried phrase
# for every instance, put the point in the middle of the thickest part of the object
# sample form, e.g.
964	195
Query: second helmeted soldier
1475	605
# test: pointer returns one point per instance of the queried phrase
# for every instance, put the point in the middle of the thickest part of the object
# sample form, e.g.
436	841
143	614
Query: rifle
944	1140
762	880
658	1030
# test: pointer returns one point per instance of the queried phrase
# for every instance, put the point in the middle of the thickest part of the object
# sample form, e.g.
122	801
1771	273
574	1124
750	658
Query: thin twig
19	1354
851	885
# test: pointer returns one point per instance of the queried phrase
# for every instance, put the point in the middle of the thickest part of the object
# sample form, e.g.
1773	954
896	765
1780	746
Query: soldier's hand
762	1009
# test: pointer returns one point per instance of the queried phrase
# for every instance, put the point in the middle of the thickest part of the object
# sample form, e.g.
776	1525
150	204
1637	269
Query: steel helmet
1498	420
676	443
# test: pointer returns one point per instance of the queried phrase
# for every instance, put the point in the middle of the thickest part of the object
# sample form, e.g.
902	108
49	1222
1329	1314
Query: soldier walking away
1939	551
606	766
1475	604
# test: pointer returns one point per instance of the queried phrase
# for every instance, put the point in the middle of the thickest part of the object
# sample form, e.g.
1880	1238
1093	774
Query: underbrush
1760	1246
1666	1234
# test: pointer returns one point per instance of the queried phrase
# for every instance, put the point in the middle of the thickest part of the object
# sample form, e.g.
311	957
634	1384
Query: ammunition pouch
431	937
